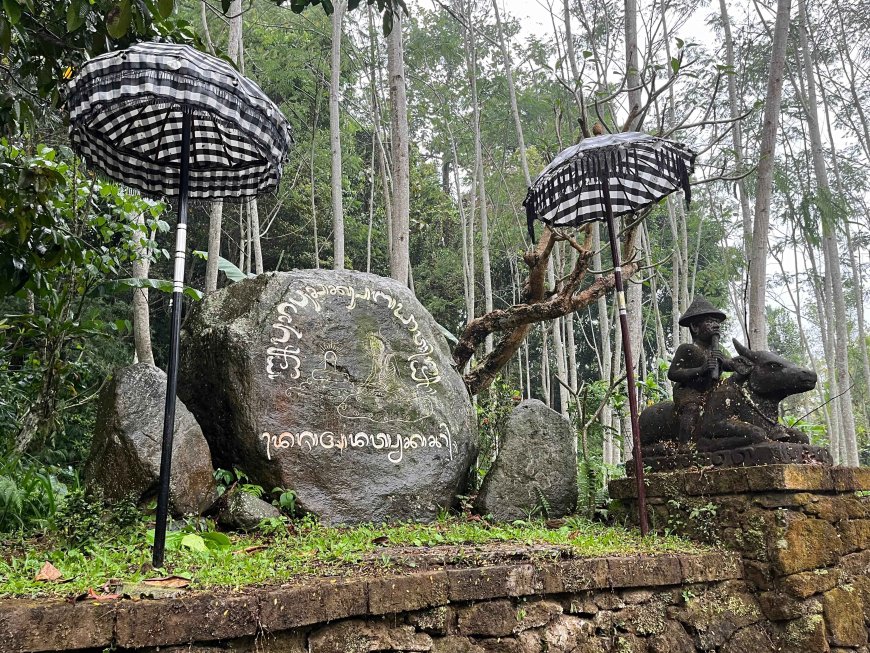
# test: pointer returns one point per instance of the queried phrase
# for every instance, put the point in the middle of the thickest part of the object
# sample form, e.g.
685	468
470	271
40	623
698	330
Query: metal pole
172	368
629	363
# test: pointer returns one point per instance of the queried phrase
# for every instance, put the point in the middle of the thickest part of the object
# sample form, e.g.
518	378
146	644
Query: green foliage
44	43
493	409
29	494
236	480
65	239
84	518
192	538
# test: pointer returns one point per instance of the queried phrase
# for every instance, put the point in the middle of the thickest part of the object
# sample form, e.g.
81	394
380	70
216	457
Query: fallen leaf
176	582
102	597
250	549
49	573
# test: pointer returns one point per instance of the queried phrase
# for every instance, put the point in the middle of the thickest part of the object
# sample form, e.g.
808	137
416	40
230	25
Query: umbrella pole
629	363
172	367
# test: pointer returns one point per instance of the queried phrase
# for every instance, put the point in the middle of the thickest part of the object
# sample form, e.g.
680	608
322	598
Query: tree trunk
632	68
400	261
512	94
761	226
335	137
471	58
831	250
141	313
215	219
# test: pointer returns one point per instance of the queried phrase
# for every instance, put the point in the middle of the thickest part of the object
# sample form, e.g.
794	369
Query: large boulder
335	384
124	459
536	468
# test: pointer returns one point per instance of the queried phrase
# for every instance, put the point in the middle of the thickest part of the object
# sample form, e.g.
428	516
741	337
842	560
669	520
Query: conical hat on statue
700	306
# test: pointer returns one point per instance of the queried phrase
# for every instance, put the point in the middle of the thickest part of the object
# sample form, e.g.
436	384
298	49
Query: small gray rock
244	511
536	468
124	459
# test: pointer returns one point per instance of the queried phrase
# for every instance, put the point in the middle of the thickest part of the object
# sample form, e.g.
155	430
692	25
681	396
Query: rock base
659	459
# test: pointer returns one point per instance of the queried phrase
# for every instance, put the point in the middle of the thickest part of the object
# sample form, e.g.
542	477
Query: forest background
774	98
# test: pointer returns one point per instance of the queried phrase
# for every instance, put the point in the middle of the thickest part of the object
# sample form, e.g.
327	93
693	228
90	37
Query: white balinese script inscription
393	444
283	362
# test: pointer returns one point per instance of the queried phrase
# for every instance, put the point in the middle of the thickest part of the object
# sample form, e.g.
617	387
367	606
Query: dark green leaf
352	4
675	65
327	7
165	7
118	19
227	267
13	11
388	22
5	35
225	5
76	14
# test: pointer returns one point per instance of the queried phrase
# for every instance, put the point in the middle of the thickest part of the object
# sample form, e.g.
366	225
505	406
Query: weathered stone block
716	615
708	567
403	593
752	639
438	621
844	617
850	479
202	618
357	636
779	606
855	535
672	639
492	582
807	544
500	645
856	564
645	571
327	600
579	575
807	583
492	618
534	614
644	619
805	635
54	625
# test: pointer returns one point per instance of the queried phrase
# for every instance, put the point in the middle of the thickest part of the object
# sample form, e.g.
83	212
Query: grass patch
300	549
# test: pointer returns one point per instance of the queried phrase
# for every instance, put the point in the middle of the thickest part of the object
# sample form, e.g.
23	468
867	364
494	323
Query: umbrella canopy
638	169
126	112
597	179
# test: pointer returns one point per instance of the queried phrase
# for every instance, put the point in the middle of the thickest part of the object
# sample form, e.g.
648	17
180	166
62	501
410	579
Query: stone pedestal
661	459
803	532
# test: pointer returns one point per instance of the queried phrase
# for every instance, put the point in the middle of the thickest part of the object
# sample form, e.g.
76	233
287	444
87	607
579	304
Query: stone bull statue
740	411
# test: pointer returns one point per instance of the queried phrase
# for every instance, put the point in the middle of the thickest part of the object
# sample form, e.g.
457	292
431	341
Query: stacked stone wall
639	604
803	532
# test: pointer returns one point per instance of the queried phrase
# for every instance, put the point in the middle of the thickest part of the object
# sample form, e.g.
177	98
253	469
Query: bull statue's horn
743	351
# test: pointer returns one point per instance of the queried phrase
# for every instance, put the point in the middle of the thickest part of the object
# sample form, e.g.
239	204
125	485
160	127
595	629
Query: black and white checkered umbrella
172	121
639	170
127	111
600	177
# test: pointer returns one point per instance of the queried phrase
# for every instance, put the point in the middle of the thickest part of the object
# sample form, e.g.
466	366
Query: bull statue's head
769	375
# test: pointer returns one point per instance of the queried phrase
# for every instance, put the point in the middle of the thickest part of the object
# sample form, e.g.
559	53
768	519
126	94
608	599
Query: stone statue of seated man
696	366
725	421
